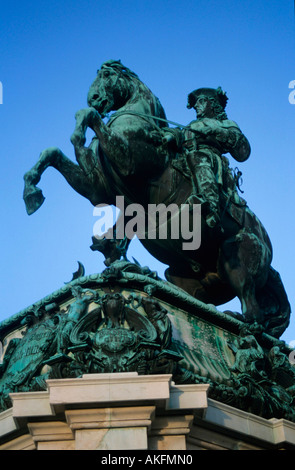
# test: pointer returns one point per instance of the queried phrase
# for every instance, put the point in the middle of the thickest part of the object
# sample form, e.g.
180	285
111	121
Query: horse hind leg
245	262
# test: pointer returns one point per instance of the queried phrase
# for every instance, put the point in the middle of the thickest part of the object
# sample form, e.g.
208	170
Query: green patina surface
123	321
126	318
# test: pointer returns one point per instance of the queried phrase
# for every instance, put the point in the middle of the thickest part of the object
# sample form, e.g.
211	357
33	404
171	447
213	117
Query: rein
146	116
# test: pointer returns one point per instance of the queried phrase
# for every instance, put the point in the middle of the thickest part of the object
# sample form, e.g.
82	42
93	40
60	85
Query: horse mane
118	67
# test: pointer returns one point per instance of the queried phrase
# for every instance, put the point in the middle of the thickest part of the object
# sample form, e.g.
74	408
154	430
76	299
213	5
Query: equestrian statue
134	153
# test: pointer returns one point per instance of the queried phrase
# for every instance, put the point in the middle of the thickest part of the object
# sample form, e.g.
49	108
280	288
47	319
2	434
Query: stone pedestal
103	412
126	411
169	432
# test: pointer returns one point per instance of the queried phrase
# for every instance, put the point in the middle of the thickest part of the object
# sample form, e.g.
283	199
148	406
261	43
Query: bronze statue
129	156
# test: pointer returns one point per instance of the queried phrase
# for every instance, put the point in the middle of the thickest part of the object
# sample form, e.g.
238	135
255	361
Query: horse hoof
33	200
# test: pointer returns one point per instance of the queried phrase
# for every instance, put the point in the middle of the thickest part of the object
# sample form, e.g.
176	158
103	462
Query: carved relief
24	359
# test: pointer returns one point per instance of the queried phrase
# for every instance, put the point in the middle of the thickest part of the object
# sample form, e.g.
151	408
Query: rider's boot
208	188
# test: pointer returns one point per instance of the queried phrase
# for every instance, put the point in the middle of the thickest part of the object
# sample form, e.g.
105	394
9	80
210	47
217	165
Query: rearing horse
126	157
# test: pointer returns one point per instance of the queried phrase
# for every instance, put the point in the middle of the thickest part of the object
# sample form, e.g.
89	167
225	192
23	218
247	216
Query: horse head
112	87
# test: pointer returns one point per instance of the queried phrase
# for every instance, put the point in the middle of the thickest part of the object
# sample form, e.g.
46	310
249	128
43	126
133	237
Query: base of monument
125	342
126	411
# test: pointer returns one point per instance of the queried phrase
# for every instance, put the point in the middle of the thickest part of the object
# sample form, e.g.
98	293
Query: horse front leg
32	195
83	118
114	145
85	156
53	157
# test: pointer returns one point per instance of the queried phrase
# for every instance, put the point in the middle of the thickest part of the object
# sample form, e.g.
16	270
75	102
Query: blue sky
50	52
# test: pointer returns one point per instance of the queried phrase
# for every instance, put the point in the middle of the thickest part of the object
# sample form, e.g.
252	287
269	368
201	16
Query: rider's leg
206	186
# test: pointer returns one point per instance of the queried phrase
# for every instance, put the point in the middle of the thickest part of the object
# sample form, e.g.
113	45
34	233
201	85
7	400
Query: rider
204	141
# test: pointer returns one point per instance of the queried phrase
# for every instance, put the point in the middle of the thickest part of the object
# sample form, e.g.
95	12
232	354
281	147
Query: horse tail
274	303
